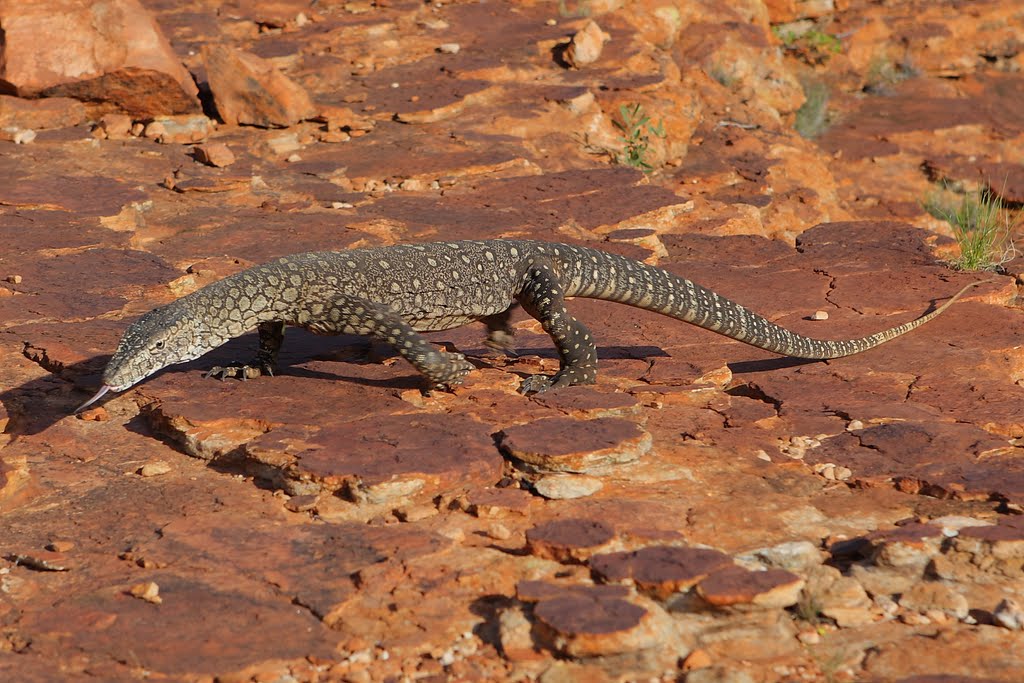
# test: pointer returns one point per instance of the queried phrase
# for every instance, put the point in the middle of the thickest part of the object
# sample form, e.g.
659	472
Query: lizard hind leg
543	298
351	315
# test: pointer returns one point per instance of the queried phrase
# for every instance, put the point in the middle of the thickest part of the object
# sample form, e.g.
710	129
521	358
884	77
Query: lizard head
162	337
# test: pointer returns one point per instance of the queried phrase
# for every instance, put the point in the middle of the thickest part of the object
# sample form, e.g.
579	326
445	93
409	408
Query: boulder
104	51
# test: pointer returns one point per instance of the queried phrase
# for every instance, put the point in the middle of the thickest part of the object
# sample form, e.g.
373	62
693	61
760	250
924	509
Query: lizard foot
240	371
535	384
502	342
448	370
566	377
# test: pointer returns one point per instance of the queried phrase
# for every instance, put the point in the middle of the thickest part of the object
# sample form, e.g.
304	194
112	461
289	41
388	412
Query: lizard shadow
745	367
39	403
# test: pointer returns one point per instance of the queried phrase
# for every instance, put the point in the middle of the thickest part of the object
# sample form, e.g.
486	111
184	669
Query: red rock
356	459
180	130
215	613
587	402
735	586
911	545
660	570
116	126
789	10
14	476
535	591
586	45
698	659
568	445
568	540
498	502
249	90
108	51
588	621
53	112
214	154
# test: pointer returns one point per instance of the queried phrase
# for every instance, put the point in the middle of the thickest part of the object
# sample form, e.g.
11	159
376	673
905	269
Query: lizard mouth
99	394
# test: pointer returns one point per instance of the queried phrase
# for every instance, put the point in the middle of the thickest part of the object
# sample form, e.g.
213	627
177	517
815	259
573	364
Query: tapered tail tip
99	394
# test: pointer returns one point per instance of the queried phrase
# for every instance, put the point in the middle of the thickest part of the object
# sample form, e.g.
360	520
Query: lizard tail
599	275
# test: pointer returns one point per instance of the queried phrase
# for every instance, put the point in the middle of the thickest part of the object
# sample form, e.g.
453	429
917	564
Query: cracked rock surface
705	512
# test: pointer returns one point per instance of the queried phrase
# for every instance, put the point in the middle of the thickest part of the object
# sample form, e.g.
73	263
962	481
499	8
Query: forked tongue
99	394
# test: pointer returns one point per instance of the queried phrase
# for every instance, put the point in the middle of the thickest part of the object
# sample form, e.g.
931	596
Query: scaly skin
394	293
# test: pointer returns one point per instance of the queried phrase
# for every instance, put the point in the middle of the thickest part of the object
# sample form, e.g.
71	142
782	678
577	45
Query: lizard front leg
271	337
542	297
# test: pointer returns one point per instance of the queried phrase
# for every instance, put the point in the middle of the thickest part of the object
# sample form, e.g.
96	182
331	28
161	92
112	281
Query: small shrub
636	129
808	609
883	73
577	9
812	118
813	45
723	75
981	226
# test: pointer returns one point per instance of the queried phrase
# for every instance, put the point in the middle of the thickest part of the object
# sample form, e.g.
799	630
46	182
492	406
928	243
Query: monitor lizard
394	293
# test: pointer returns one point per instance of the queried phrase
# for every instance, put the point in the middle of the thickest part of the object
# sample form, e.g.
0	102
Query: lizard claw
535	384
238	371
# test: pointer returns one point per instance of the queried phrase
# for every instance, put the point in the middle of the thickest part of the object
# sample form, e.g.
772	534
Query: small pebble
819	315
414	513
1009	614
149	591
301	503
761	455
14	279
449	48
214	154
914	619
586	46
809	637
154	469
698	659
293	158
499	532
97	414
23	137
60	546
567	486
854	425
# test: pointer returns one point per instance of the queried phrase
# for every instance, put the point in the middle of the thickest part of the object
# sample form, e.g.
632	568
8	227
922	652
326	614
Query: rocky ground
706	512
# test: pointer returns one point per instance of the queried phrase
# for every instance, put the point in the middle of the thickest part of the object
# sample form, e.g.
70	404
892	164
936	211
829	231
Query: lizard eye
159	345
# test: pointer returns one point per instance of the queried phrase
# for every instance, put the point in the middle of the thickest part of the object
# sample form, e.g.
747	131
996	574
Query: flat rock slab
204	619
569	540
383	458
313	564
735	586
660	570
942	459
586	402
562	444
589	621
